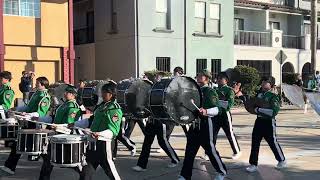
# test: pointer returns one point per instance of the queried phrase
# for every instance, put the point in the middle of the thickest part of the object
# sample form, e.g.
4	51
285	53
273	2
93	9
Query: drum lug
83	161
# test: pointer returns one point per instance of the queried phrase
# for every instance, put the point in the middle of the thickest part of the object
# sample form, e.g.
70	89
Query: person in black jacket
25	85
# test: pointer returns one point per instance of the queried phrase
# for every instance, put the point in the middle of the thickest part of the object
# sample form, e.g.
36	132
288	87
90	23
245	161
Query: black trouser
201	137
224	121
130	124
13	158
46	167
265	128
163	132
103	157
125	141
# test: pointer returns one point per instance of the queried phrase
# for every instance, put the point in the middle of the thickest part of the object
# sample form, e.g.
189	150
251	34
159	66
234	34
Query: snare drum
9	129
68	150
32	141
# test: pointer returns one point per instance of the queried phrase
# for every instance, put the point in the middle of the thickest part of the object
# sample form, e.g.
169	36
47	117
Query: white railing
252	38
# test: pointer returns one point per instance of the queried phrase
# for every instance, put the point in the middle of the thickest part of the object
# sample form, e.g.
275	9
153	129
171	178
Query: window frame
213	19
201	64
164	62
217	63
20	10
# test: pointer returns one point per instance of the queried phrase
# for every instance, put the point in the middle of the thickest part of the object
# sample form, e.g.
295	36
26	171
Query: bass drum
57	91
91	95
133	97
170	100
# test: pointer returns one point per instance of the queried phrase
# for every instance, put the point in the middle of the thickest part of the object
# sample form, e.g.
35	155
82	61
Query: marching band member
6	93
105	125
38	106
265	126
224	120
67	113
202	134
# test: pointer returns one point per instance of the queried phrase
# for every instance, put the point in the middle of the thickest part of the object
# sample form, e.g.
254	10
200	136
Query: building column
71	52
2	49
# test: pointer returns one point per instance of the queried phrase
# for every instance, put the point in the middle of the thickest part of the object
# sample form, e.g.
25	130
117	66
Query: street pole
314	38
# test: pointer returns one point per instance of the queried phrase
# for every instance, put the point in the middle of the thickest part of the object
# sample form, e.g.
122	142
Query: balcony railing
252	38
294	42
84	35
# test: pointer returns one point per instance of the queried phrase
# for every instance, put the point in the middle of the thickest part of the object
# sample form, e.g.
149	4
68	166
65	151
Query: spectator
312	83
317	77
25	85
81	86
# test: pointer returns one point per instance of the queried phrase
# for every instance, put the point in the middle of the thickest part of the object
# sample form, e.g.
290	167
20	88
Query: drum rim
66	165
165	90
55	139
29	153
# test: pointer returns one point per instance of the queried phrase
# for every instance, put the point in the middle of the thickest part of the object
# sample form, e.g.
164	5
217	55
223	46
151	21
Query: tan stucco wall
35	44
85	62
49	30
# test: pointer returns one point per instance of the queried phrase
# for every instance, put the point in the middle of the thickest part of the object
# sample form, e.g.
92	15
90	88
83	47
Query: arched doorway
306	72
287	70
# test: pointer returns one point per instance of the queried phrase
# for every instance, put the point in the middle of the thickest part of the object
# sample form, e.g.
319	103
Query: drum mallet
192	102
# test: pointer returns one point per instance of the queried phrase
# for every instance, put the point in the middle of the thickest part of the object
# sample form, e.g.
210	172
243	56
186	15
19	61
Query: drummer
38	106
105	125
67	113
265	126
202	133
6	93
163	131
226	97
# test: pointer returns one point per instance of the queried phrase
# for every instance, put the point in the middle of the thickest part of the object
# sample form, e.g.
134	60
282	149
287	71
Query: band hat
223	75
71	89
268	79
206	73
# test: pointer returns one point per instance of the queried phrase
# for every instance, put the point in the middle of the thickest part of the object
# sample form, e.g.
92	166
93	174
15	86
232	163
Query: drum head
57	92
250	105
92	93
171	99
133	96
67	138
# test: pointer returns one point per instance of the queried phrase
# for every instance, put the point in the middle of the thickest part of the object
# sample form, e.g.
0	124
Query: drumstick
37	122
192	102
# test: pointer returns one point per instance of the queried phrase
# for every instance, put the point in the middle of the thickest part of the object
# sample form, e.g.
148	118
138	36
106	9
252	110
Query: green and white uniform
106	121
6	96
224	120
67	113
39	103
265	127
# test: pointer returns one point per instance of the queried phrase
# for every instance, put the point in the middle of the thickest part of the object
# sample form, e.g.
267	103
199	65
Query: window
114	23
274	25
264	67
30	8
163	14
238	24
200	16
307	28
201	65
86	34
214	20
163	64
215	67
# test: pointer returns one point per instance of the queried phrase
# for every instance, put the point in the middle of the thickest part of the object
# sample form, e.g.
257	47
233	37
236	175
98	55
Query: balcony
252	38
293	42
84	35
